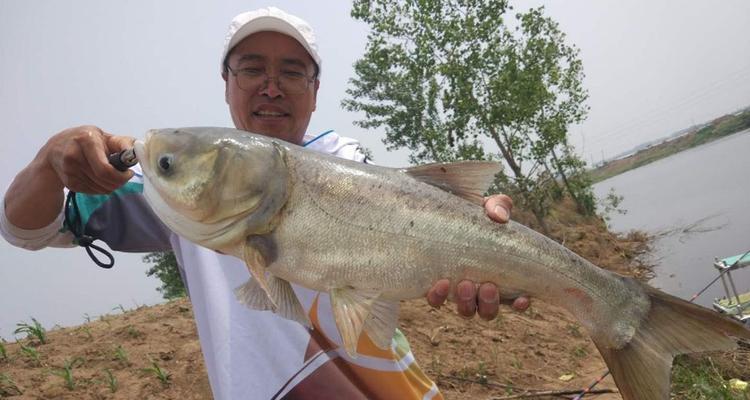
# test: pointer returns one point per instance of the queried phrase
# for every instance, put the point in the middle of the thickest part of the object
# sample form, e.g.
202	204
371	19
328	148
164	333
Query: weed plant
31	353
160	373
66	372
111	380
8	387
701	380
34	330
121	355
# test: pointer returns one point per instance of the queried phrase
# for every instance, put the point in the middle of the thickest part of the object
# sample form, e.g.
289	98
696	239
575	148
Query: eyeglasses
253	79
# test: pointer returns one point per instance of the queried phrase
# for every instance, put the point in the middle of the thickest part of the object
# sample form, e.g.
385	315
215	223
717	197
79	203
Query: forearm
35	197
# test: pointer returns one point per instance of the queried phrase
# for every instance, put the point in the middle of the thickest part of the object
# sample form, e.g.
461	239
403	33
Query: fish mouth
141	154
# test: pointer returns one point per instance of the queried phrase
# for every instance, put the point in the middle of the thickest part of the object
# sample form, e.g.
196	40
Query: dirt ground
121	356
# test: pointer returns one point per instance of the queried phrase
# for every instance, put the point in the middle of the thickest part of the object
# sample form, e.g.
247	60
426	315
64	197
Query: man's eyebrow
250	57
294	61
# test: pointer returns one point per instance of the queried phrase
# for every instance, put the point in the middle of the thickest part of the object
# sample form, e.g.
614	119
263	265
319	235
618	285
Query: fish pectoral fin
351	307
466	179
256	264
382	322
280	299
253	296
288	305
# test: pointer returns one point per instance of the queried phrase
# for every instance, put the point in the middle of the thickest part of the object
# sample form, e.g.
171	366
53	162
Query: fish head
208	182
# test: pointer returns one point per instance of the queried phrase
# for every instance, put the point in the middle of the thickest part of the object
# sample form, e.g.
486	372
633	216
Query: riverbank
153	352
716	129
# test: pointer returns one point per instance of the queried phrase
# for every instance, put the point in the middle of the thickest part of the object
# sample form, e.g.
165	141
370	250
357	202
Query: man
271	70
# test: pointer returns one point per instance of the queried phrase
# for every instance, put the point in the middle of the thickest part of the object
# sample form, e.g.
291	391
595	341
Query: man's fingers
100	171
466	298
521	303
116	144
439	292
488	301
498	207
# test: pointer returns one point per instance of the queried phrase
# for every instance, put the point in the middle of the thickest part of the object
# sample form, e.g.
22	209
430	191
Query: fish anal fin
466	179
351	308
256	264
382	322
642	368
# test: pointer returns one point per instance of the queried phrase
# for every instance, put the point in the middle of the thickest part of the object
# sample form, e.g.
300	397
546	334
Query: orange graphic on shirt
328	375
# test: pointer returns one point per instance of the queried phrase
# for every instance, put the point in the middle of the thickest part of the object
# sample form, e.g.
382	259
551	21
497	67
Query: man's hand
78	156
75	158
481	299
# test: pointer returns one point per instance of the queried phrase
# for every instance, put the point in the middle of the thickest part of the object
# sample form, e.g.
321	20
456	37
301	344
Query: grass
8	387
121	355
580	352
701	380
157	371
111	380
3	351
34	330
66	372
134	333
87	331
31	353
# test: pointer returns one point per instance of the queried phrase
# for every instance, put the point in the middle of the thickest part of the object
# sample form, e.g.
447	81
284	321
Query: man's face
268	110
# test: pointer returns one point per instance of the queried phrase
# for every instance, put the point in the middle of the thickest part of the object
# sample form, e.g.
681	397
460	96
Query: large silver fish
371	236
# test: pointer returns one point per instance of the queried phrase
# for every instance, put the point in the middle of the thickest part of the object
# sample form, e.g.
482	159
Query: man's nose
271	87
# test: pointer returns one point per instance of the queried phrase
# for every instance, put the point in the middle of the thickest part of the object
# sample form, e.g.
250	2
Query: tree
165	268
446	77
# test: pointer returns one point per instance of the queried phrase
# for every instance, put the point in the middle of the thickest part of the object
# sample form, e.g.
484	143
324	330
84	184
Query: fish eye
165	162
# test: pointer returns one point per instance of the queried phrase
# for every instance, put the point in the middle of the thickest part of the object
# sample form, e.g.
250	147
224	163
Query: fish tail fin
642	368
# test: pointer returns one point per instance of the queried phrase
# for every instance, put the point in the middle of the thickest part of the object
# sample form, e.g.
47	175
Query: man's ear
315	93
226	86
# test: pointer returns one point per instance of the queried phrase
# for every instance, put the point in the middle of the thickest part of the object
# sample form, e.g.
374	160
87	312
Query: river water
697	203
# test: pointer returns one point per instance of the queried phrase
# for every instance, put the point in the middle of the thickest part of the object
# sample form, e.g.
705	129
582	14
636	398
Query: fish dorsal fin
466	179
382	323
351	309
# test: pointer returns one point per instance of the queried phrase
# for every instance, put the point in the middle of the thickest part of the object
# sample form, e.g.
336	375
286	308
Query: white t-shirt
248	354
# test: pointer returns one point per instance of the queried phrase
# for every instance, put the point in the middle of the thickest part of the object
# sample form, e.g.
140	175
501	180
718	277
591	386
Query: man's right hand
78	156
75	158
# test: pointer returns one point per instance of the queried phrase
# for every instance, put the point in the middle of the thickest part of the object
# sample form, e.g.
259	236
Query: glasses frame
267	79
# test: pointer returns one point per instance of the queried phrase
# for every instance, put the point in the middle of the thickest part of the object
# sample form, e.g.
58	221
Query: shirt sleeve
122	219
34	239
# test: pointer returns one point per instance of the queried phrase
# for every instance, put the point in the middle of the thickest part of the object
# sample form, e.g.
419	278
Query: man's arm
483	299
75	158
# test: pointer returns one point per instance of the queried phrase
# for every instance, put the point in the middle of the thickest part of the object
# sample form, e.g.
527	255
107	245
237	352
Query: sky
651	68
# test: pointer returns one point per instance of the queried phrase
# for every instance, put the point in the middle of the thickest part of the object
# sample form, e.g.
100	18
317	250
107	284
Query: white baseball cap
274	20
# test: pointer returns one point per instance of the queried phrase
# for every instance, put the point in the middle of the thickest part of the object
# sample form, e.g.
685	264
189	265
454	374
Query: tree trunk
564	178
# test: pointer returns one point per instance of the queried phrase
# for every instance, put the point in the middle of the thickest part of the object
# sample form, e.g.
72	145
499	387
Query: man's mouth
270	114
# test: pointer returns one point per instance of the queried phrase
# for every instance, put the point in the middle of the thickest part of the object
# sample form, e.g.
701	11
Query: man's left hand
483	299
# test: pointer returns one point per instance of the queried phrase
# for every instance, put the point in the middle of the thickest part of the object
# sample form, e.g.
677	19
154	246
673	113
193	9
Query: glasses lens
292	84
287	84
